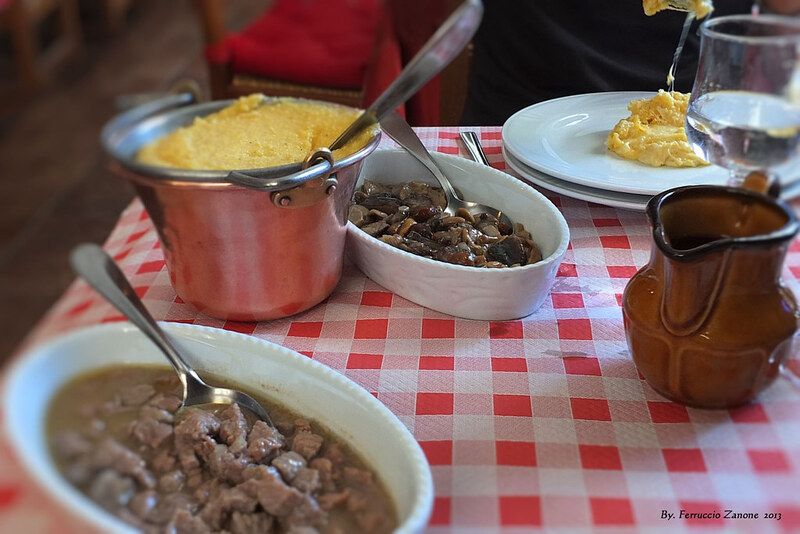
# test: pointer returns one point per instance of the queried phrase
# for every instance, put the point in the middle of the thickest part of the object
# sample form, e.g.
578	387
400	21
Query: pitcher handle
764	183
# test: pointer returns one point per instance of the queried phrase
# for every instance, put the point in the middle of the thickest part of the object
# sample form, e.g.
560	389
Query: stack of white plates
560	145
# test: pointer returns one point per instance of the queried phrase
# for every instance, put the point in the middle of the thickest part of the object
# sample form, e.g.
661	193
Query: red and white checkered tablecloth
536	424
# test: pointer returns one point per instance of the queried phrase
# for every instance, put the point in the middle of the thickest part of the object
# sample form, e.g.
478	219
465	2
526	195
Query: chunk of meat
225	465
264	441
168	506
289	463
275	496
307	480
156	414
112	490
258	472
307	444
184	522
305	529
143	503
302	425
208	490
233	428
197	425
104	408
329	501
150	432
258	523
164	461
165	401
194	435
217	511
306	514
111	454
172	481
336	455
325	469
136	395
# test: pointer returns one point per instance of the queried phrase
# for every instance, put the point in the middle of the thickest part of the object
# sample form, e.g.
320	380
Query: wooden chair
334	50
22	19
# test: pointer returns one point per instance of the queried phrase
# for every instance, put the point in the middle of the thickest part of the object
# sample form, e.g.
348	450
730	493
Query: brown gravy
118	436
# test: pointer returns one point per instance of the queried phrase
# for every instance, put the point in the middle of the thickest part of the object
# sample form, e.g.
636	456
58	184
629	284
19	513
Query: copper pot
240	245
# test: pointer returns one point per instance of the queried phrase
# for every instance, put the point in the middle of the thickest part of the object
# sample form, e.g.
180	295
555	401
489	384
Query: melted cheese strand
677	55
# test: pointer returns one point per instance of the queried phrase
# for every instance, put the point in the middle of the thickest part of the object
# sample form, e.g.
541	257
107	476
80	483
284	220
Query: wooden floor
55	189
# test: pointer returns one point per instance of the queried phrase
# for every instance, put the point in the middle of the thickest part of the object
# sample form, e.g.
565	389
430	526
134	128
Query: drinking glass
744	110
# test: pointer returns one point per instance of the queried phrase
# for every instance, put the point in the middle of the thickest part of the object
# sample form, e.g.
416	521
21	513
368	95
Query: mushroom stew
411	217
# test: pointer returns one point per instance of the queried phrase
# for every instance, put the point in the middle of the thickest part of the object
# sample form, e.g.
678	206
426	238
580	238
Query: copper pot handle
275	179
127	101
318	164
306	187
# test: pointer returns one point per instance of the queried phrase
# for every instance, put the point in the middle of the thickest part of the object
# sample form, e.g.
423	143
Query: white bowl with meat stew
348	412
464	291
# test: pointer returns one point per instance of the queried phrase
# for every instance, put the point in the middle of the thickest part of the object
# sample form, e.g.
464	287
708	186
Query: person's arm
783	7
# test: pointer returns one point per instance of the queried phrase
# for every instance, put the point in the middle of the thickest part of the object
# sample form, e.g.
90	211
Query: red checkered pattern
540	423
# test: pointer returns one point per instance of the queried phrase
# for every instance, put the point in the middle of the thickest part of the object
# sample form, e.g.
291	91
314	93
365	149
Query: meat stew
411	217
118	436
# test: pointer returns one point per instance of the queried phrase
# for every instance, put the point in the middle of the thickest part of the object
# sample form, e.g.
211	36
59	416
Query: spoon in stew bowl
95	266
398	129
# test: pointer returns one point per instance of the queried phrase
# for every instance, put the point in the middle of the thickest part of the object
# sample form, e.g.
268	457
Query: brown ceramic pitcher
708	319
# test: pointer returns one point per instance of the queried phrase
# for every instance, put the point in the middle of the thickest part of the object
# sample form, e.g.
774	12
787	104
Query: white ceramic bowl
473	293
309	387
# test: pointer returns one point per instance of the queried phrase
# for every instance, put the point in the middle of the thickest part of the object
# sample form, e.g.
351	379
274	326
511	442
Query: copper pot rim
120	133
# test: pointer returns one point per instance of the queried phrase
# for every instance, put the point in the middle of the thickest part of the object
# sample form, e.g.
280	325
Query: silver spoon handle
474	148
443	46
398	129
95	266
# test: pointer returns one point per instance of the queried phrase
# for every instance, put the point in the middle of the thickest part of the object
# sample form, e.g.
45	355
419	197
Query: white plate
614	199
565	138
590	194
313	389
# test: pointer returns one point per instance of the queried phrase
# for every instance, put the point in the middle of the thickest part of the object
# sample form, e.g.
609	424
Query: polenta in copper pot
266	250
255	132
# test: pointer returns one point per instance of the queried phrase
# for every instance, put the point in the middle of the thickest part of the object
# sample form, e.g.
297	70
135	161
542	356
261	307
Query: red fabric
415	22
316	42
218	53
386	63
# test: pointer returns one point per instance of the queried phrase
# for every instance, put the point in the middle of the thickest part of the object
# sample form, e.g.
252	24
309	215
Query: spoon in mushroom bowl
398	129
95	266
